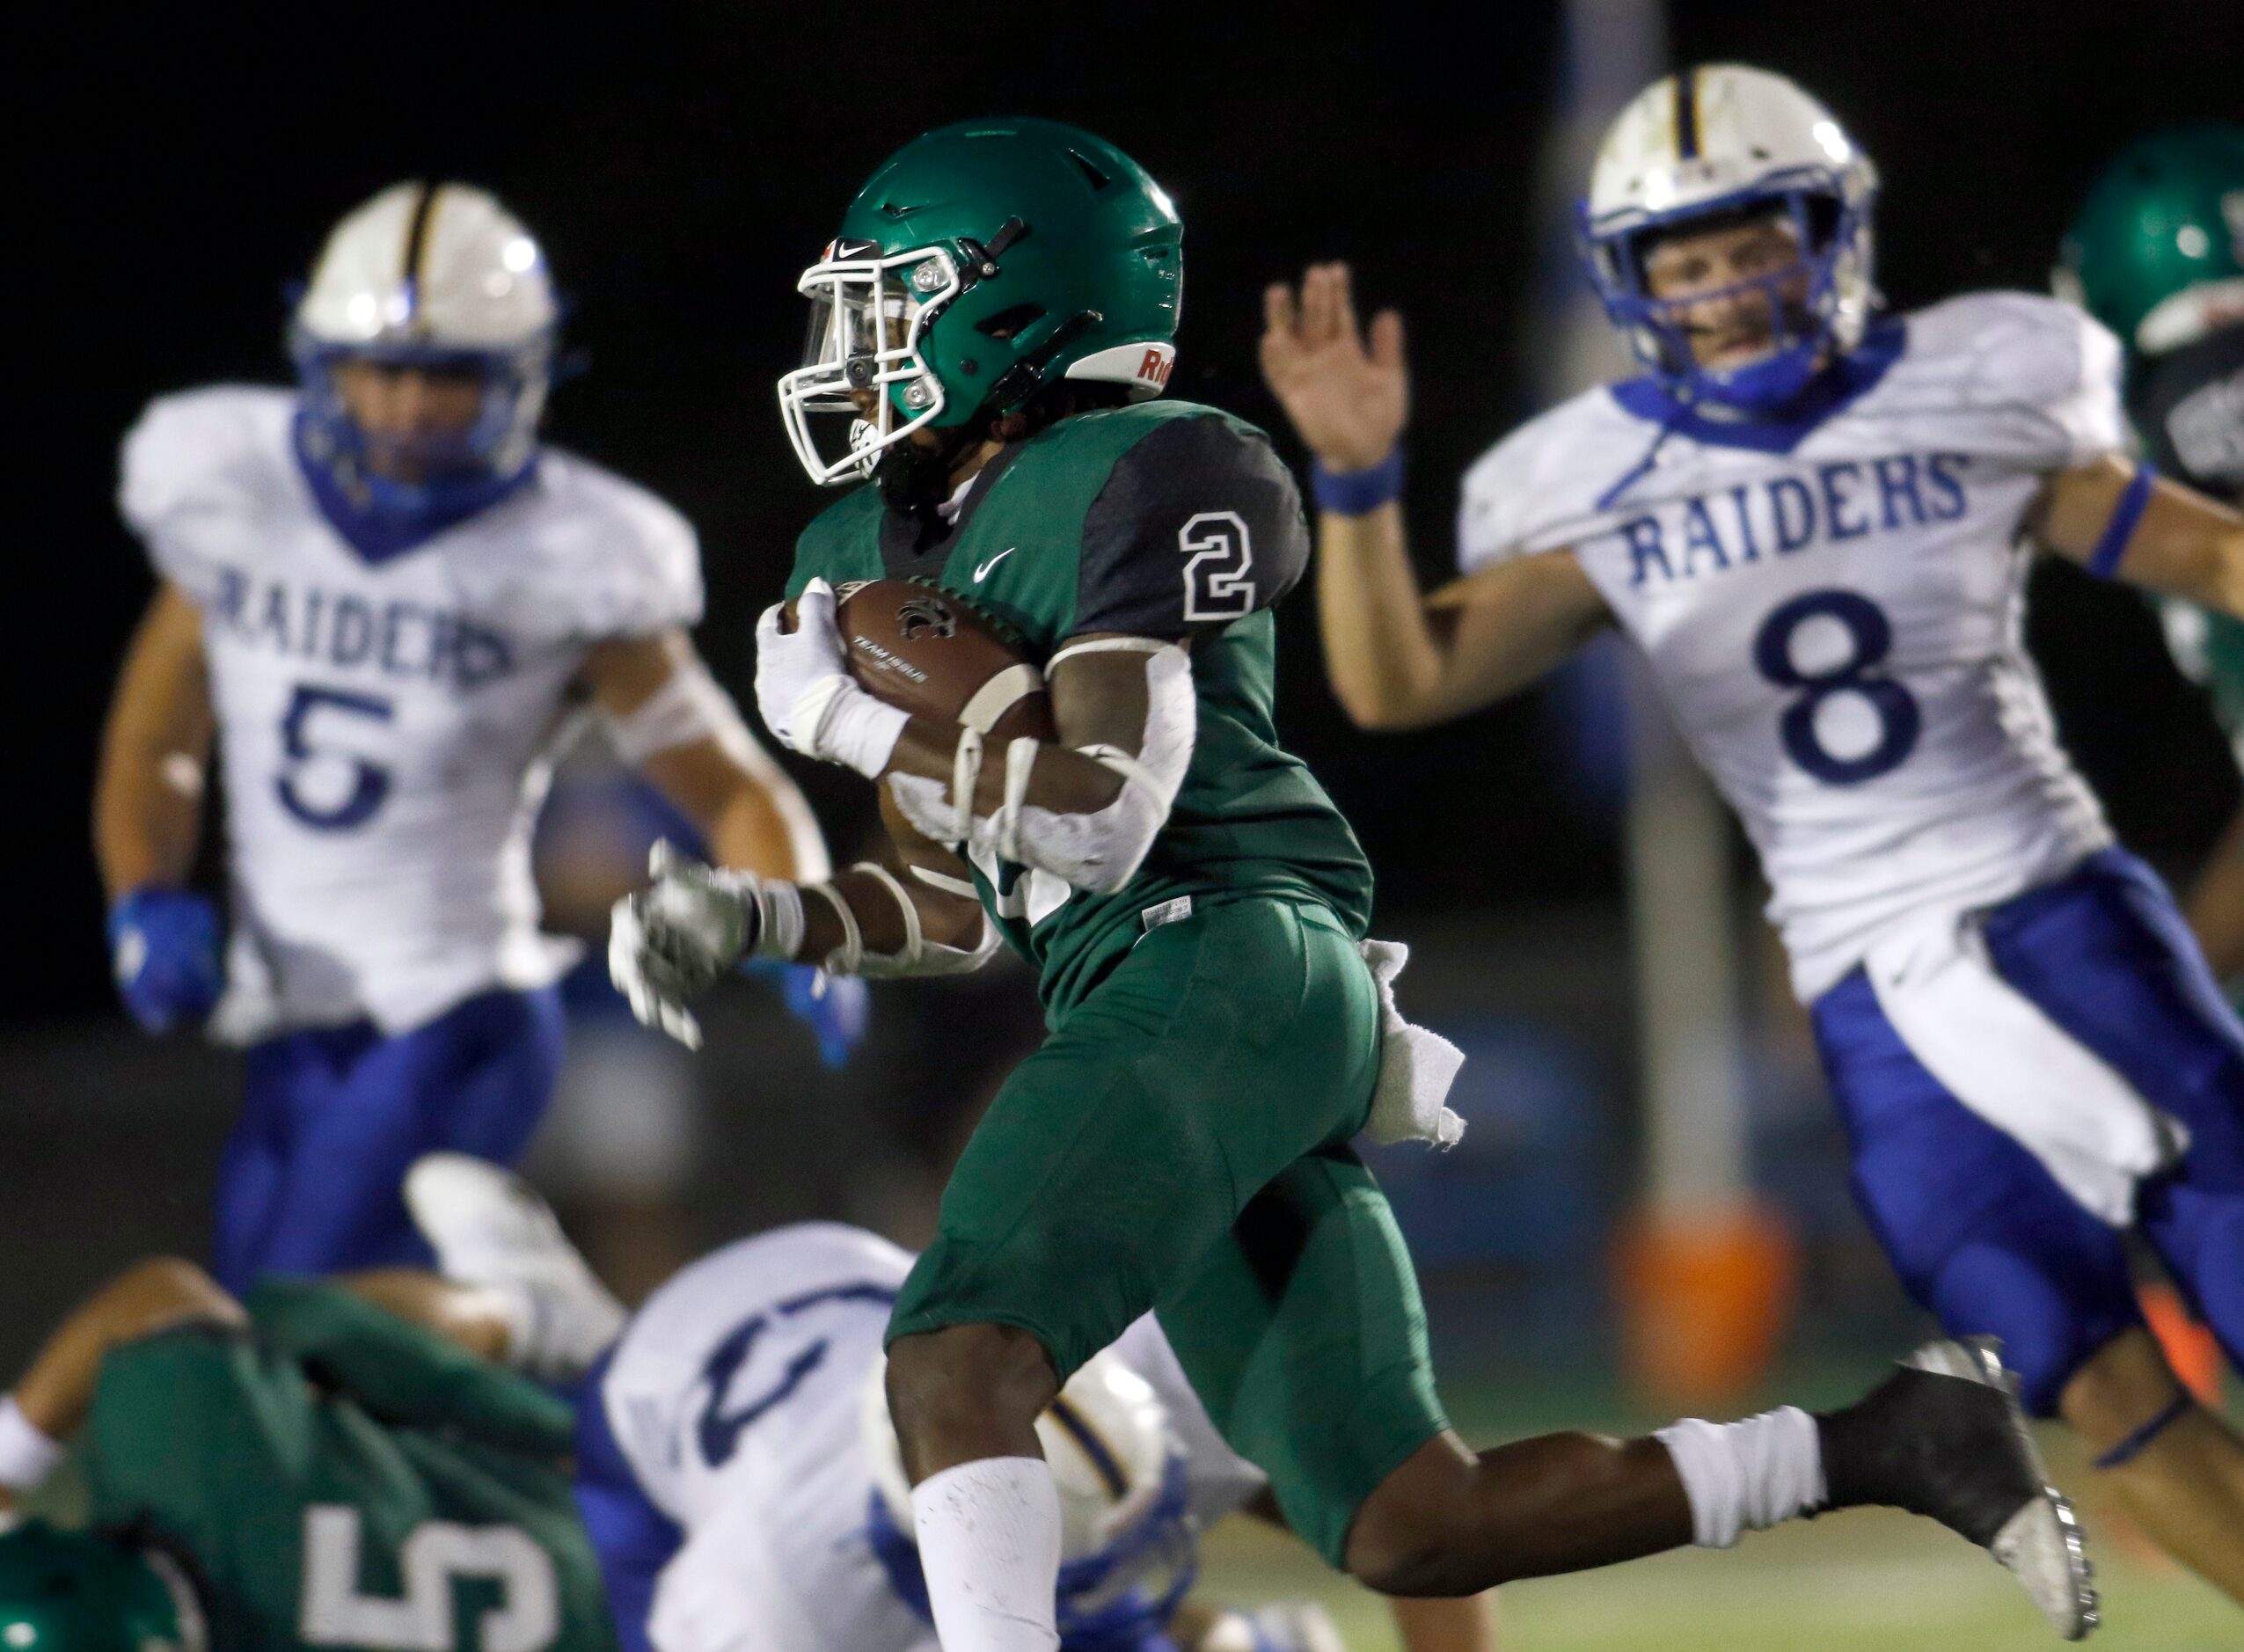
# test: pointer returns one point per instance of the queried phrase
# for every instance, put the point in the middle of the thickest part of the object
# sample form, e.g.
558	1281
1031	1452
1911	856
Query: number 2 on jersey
1869	635
369	783
1219	579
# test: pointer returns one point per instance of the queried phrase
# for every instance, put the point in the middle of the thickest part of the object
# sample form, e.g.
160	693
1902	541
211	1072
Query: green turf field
1866	1582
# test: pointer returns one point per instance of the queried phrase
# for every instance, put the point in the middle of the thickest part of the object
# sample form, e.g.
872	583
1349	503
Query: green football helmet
70	1591
2156	251
981	262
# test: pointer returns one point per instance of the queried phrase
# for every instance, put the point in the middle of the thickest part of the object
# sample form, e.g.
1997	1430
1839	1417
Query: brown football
920	647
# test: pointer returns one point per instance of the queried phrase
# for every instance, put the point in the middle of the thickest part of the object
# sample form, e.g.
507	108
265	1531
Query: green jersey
1165	520
2210	647
2187	408
336	1477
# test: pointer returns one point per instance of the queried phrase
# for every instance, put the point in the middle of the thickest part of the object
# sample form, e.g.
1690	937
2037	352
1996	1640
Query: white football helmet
1713	141
436	275
1128	1552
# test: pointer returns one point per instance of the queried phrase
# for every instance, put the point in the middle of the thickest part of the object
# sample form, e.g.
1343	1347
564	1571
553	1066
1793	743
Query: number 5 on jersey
434	1556
328	788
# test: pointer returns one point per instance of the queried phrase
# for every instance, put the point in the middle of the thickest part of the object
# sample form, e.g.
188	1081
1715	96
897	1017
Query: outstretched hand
1348	394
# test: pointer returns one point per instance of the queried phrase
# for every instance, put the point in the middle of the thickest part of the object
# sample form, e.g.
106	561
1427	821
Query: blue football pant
1979	1232
310	1180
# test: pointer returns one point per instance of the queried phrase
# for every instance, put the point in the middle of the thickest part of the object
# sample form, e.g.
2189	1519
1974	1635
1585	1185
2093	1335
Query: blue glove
164	949
838	1011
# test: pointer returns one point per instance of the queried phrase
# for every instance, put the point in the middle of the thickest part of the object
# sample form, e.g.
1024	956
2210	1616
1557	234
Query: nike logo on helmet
982	571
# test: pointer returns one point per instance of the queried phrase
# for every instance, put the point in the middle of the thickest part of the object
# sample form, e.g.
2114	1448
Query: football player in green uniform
326	1464
2156	253
995	321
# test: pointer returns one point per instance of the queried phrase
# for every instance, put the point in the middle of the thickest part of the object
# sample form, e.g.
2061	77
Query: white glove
672	941
805	695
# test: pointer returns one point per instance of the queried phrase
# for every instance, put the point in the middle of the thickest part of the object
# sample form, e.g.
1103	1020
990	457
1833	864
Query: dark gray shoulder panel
1199	524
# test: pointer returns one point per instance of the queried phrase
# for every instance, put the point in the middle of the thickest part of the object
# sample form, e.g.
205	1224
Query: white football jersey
384	725
1834	607
736	1395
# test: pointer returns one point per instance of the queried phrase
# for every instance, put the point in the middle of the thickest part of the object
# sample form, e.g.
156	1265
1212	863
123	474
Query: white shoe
489	1228
1297	1626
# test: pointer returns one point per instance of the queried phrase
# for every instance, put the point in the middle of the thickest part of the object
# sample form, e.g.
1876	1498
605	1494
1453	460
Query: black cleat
1944	1438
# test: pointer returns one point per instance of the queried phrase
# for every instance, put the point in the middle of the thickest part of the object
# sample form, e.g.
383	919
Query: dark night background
681	172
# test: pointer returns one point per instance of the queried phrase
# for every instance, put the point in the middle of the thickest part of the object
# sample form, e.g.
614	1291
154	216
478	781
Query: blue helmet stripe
1686	115
1102	1460
417	249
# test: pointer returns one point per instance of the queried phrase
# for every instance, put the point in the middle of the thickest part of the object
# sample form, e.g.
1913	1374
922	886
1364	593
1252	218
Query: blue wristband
2103	561
1359	493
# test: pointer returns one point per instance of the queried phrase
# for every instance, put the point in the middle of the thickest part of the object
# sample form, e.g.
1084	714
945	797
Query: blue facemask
1806	338
460	473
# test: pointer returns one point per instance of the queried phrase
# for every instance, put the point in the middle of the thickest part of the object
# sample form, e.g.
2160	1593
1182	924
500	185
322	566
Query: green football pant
1180	1143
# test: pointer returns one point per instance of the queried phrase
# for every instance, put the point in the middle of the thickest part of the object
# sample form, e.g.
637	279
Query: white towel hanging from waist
2004	1059
1416	1066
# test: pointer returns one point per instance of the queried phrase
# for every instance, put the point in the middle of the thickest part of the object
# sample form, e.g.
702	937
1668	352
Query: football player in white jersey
1815	519
389	601
741	1478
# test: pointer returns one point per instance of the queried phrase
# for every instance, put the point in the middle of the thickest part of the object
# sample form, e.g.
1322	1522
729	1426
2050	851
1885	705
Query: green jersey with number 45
336	1477
1165	520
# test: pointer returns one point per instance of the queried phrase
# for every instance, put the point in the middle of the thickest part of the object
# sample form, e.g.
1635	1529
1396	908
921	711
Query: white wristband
836	719
779	906
28	1457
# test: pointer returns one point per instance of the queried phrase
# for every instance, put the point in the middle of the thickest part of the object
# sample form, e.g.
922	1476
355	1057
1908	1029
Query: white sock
1746	1476
989	1544
28	1457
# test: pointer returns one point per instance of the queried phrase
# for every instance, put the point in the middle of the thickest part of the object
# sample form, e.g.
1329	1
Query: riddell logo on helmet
1154	370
